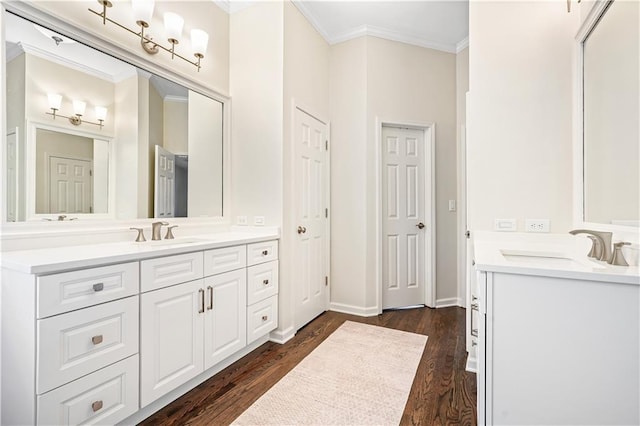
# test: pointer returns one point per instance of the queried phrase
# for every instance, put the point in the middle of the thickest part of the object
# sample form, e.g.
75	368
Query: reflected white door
69	185
12	176
403	206
164	183
310	192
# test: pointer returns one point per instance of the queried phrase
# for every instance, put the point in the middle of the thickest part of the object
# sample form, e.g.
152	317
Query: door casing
429	130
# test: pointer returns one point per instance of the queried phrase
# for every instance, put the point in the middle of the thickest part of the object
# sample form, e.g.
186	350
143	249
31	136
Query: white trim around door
428	130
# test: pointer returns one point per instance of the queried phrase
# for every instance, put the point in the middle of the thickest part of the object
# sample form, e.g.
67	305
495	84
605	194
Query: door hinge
90	172
326	280
467	234
90	209
326	212
326	145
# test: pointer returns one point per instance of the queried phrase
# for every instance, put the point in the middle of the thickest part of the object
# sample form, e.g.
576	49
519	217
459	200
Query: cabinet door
171	346
226	315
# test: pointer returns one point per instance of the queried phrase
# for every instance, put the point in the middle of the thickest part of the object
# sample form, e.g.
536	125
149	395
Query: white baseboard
371	311
282	336
451	301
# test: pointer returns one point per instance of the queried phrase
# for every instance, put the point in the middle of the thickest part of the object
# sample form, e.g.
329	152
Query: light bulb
142	11
78	107
199	41
173	26
55	100
101	113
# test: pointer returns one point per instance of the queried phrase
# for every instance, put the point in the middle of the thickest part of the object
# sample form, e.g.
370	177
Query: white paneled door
165	183
404	224
69	185
311	242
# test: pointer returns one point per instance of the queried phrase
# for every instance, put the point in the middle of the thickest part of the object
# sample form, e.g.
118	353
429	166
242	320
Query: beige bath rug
361	374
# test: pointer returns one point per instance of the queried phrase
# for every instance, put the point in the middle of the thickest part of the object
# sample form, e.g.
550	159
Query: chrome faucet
156	229
601	247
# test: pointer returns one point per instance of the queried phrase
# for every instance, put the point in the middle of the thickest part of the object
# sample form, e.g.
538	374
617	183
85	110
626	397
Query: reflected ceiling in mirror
143	111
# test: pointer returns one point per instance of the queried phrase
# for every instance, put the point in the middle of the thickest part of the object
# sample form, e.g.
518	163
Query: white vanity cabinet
102	339
558	350
70	345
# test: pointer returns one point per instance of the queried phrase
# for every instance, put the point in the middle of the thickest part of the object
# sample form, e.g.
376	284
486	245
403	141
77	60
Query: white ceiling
435	24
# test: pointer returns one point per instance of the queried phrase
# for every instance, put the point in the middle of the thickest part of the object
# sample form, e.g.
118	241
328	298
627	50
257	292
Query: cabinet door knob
98	287
96	340
265	282
97	405
265	252
264	318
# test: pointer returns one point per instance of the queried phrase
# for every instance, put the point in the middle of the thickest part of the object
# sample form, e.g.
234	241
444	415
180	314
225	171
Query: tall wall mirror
90	136
611	107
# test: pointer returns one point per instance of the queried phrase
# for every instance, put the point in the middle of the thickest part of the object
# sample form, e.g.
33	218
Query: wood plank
443	393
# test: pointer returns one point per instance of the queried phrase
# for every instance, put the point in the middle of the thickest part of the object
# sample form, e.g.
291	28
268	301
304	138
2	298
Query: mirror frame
628	233
27	228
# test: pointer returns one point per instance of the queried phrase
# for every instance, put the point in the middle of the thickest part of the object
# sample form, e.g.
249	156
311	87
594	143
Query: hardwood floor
443	393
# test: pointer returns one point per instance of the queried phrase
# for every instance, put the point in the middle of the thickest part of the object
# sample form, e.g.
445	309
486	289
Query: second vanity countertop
553	255
52	260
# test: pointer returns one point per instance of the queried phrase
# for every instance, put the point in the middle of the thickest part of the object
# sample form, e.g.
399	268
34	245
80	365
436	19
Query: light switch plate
505	225
452	205
258	220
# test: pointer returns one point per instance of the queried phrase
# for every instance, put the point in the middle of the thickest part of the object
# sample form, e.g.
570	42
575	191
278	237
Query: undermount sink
546	259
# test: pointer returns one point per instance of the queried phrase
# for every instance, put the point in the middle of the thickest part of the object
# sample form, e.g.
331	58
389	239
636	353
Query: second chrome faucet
601	246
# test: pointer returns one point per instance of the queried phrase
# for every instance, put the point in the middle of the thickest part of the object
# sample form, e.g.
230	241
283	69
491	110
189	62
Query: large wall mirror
158	151
611	107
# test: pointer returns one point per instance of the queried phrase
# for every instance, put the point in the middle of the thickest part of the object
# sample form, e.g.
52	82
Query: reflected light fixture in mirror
142	13
79	107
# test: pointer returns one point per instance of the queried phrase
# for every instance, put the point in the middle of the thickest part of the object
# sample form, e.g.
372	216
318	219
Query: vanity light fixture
79	107
142	13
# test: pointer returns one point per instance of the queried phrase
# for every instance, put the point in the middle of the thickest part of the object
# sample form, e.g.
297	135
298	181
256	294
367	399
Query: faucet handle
169	235
140	238
618	258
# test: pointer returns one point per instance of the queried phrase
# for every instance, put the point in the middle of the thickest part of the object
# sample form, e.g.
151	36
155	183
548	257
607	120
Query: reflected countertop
553	255
51	260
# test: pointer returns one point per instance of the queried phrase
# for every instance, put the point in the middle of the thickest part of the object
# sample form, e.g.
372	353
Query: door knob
301	229
420	225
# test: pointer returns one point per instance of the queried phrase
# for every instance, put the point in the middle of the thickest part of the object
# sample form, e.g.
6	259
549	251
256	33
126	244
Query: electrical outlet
241	220
258	220
537	225
505	225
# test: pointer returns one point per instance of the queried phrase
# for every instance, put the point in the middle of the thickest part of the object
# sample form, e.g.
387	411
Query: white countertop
50	260
554	255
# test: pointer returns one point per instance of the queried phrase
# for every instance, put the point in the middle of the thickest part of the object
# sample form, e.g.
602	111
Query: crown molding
173	98
462	44
300	5
45	54
224	5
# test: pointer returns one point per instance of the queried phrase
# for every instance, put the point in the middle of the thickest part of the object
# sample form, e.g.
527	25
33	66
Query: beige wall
176	124
256	87
520	119
348	112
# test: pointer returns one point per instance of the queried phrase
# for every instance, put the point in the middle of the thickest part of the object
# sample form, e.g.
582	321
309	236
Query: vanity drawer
262	317
262	252
69	291
107	396
225	259
165	271
77	343
262	281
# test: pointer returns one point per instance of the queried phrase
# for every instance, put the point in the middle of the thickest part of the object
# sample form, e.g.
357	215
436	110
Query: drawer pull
201	297
265	282
265	252
474	332
97	339
264	318
96	406
210	290
98	287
